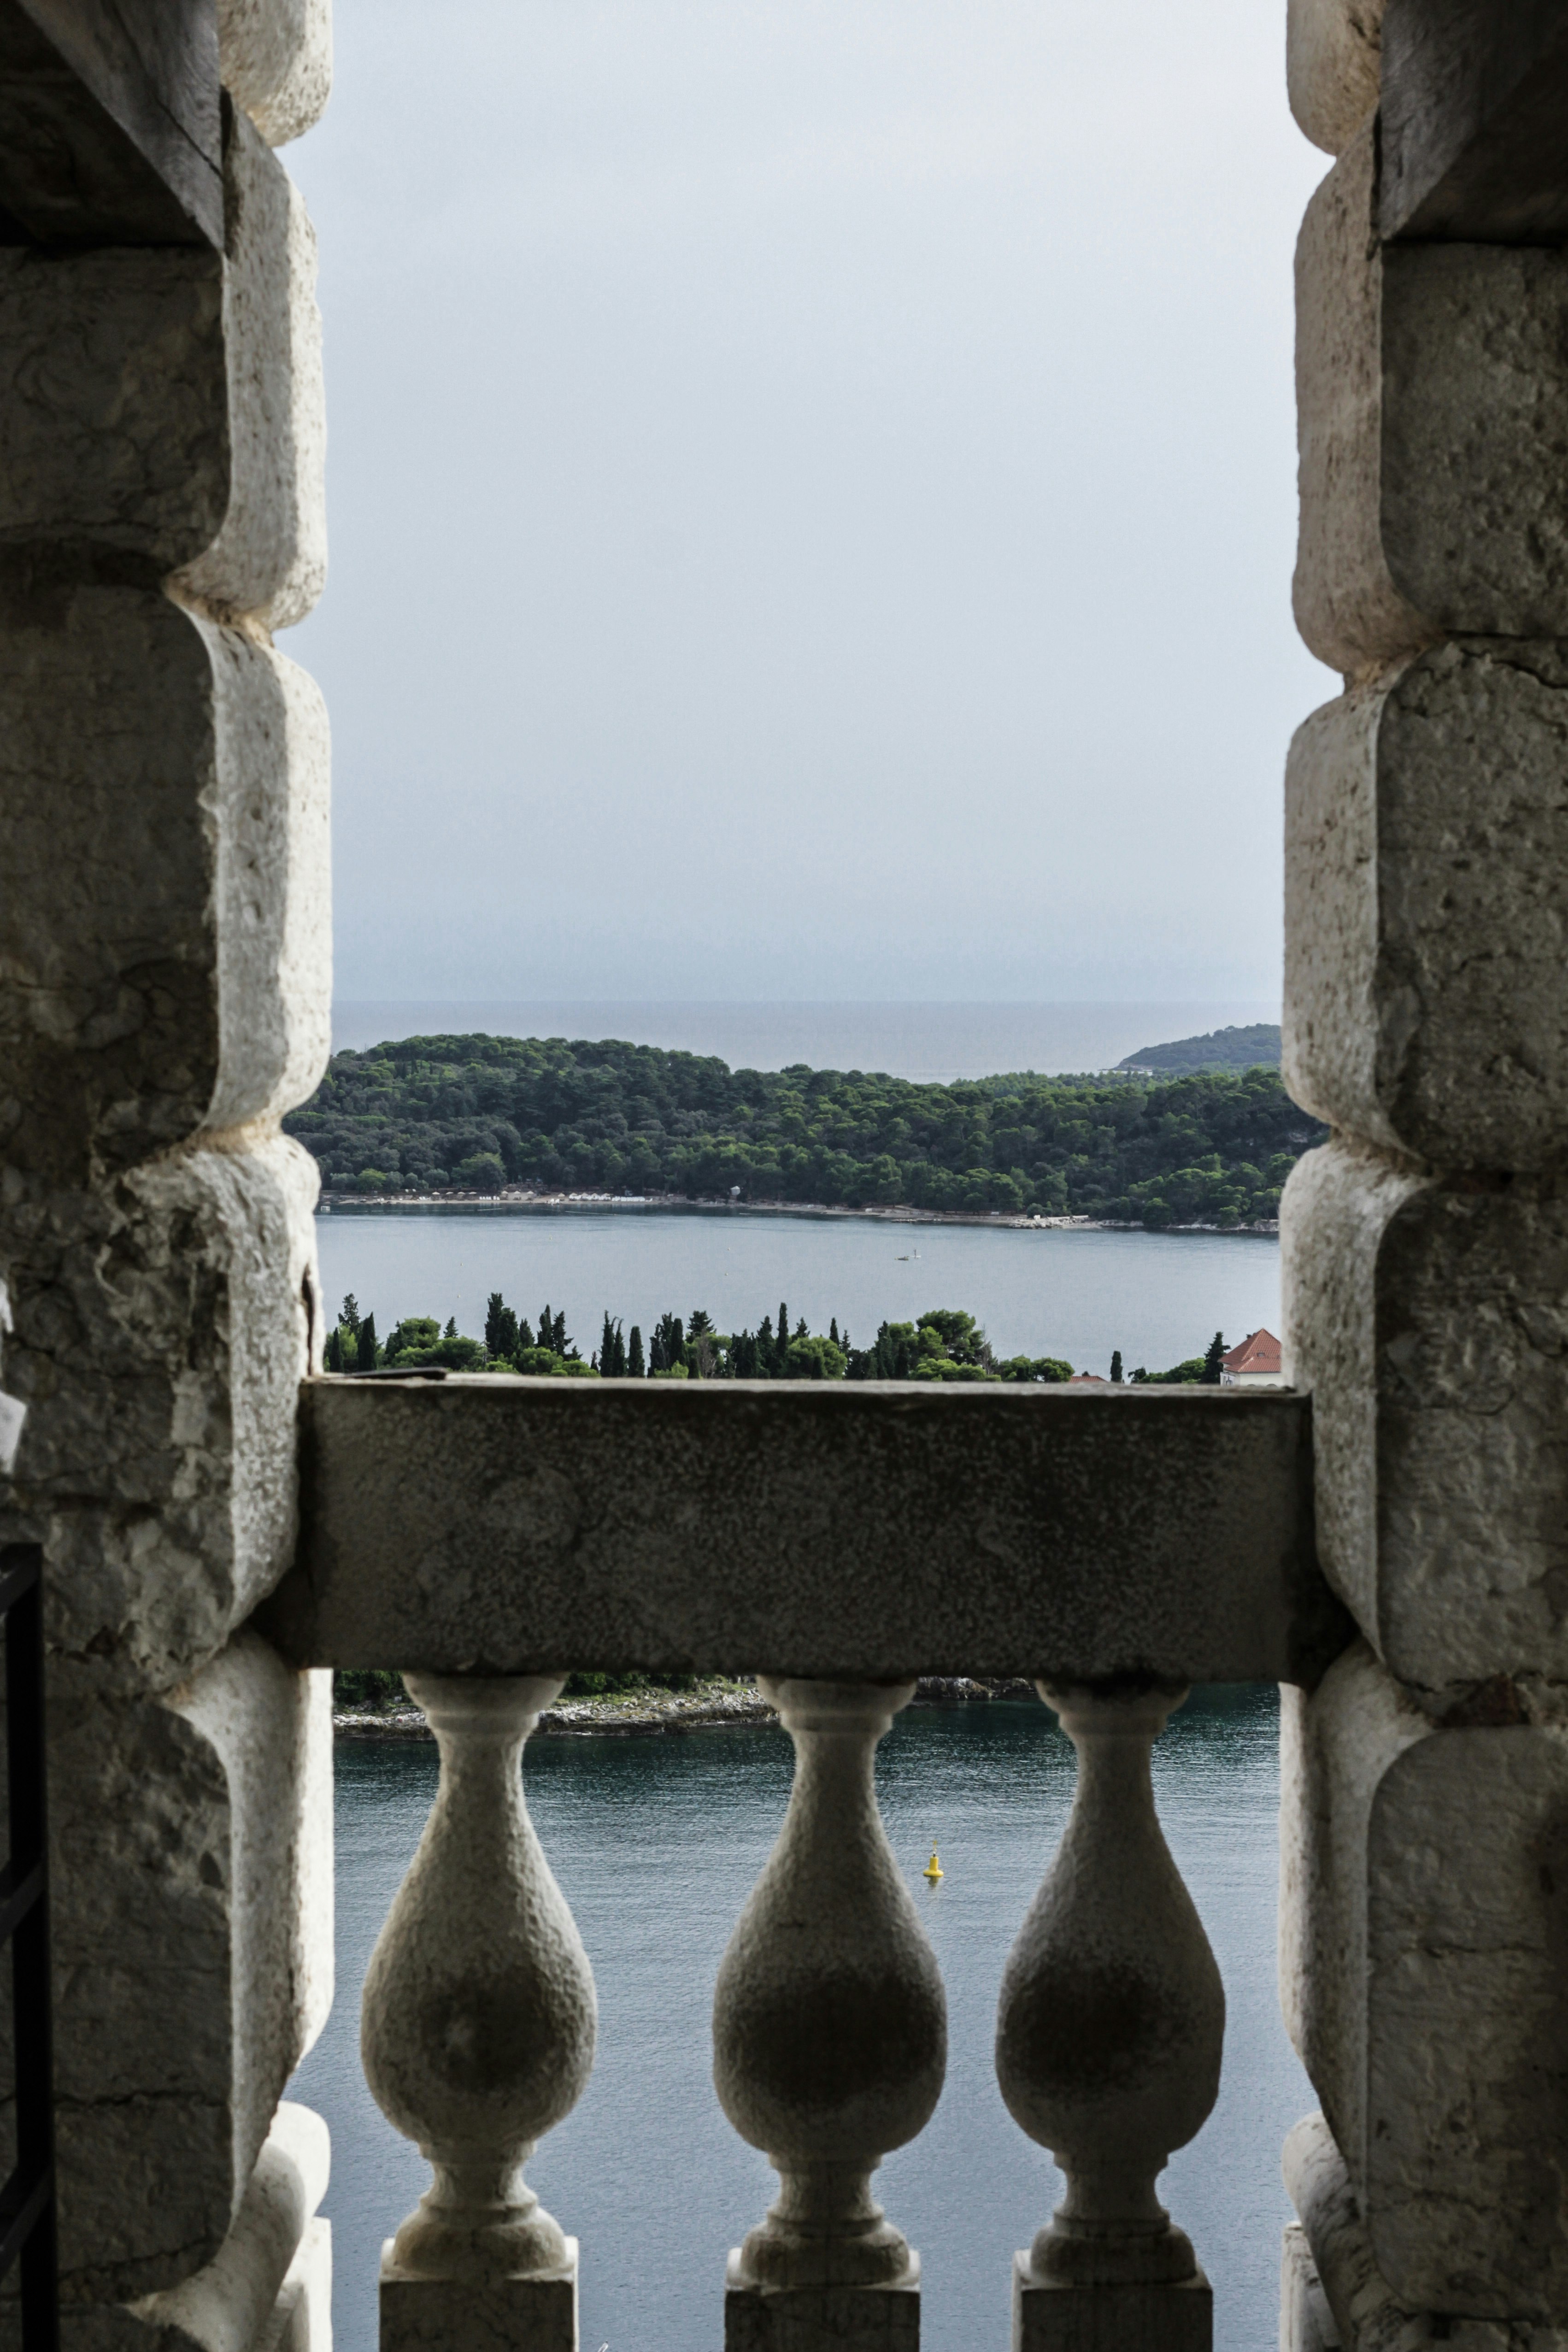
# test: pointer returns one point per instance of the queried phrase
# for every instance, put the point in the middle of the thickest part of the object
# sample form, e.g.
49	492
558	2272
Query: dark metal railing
28	2231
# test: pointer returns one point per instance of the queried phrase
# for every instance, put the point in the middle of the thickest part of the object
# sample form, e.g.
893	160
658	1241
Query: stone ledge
883	1530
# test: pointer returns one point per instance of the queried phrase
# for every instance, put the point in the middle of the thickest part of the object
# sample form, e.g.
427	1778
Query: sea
656	1841
1073	1293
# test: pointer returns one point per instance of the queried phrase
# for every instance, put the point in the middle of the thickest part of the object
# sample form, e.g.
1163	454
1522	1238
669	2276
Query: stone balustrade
829	2043
1109	2033
479	2036
829	2009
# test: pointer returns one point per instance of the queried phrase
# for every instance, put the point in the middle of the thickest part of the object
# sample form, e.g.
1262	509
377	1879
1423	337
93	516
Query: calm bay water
657	1842
1159	1297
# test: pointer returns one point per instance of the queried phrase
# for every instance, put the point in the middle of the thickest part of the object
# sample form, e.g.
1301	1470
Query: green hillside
1221	1049
473	1113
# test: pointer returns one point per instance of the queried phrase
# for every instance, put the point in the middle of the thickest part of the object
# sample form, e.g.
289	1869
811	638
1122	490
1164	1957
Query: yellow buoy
933	1870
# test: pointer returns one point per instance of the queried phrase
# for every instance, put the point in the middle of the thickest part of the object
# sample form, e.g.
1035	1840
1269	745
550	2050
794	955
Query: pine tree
612	1349
636	1369
1210	1376
450	1330
349	1318
1116	1363
365	1345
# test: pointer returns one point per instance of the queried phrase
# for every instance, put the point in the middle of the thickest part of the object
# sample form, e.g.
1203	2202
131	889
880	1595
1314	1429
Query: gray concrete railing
489	1536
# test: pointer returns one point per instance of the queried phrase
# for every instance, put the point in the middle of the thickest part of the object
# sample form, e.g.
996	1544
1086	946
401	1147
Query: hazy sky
812	496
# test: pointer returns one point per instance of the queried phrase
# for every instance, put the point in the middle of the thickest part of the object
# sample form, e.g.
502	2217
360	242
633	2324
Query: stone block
1426	908
1332	62
276	62
191	1930
498	2314
273	897
163	836
263	2286
1424	1922
113	403
162	1328
1473	98
301	2318
268	560
1433	465
1430	1322
810	2318
1306	2323
112	124
1048	2317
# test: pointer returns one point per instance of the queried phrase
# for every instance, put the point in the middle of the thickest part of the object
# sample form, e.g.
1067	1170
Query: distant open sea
940	1042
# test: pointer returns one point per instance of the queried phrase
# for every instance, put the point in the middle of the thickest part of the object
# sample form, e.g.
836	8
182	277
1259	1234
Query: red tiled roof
1258	1352
1079	1378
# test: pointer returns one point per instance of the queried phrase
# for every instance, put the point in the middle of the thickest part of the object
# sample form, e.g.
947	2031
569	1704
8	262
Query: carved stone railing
486	1536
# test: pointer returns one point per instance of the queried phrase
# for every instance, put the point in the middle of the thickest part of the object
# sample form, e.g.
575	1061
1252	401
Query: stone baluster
1109	2033
477	2036
830	2041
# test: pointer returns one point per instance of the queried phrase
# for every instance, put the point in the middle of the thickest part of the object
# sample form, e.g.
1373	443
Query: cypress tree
635	1369
833	1330
450	1330
525	1334
335	1350
656	1362
605	1360
781	1344
545	1325
1209	1376
559	1339
365	1345
496	1306
763	1358
1116	1363
349	1318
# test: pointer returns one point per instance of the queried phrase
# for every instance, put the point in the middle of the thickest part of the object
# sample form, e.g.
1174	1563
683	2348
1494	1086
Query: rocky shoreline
511	1201
713	1704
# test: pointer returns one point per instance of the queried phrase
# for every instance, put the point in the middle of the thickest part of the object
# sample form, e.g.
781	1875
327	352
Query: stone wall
164	979
1424	1821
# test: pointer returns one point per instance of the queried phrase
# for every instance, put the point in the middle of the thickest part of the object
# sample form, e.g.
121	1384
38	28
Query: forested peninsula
478	1114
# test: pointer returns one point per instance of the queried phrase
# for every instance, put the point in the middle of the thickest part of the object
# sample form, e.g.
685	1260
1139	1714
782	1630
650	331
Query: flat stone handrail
869	1532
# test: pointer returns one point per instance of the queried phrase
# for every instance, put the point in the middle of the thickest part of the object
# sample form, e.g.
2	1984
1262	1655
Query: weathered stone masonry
164	968
1424	1908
